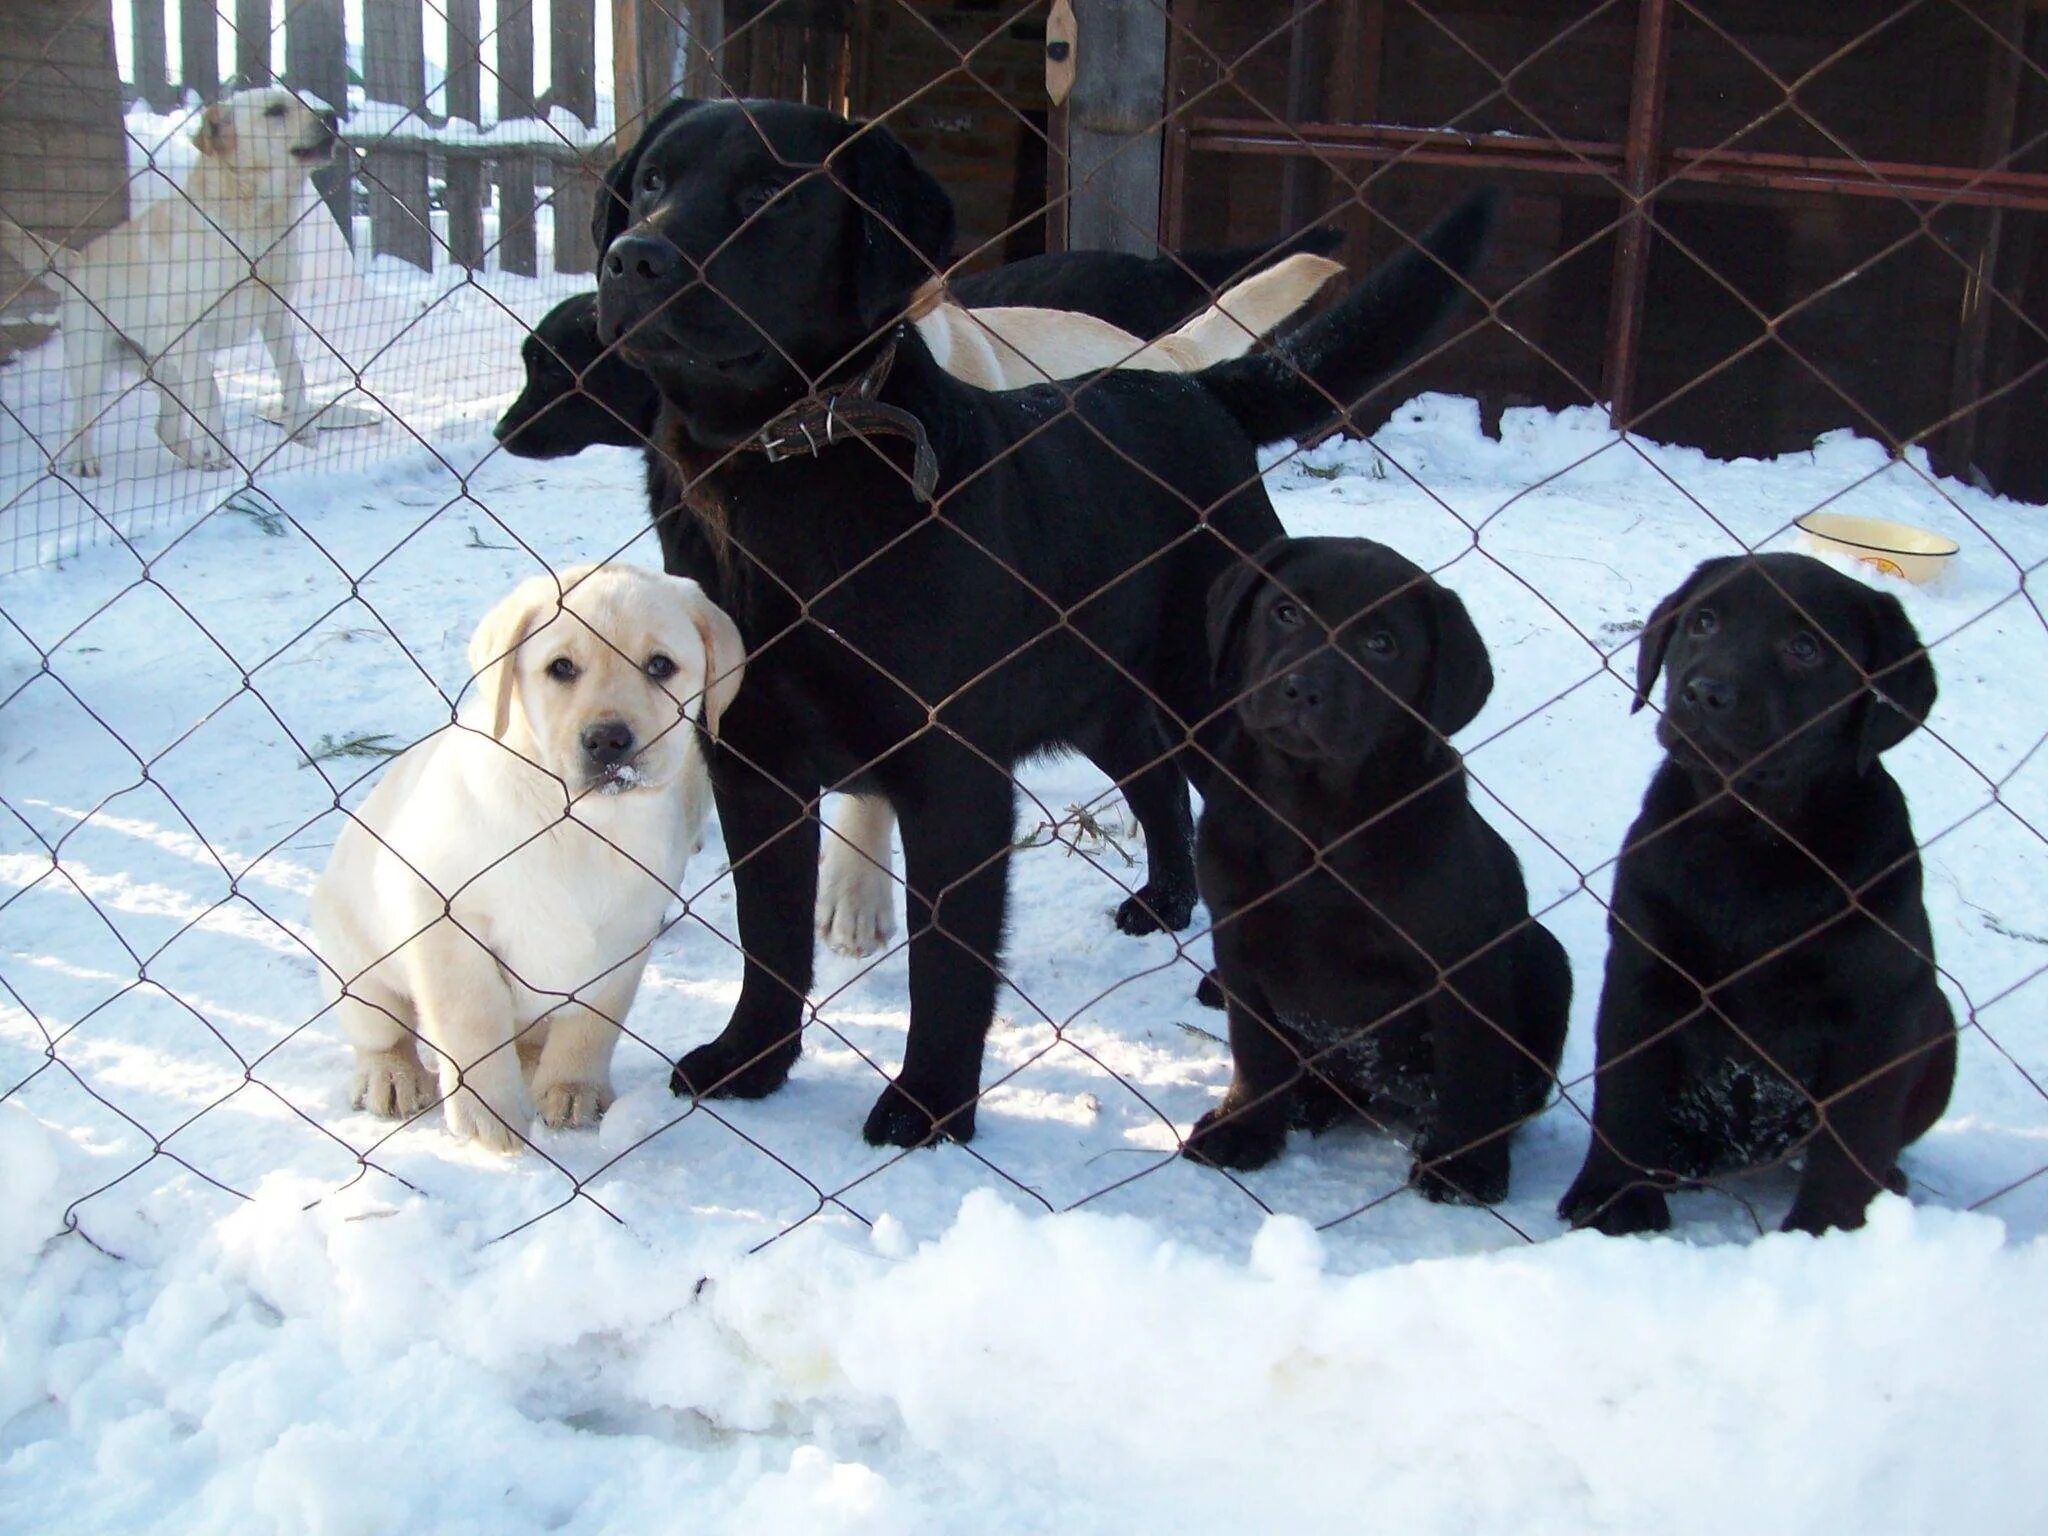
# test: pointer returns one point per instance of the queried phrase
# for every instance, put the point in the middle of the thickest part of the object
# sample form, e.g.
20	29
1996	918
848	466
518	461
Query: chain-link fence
1716	227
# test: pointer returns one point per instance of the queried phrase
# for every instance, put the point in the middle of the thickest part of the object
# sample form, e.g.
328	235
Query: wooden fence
399	162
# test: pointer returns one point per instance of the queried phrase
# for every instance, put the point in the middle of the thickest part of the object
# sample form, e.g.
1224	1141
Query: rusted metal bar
1639	172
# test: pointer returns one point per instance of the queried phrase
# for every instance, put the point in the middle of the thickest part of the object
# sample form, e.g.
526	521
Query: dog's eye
1286	613
1381	642
660	668
757	197
650	180
274	111
1704	621
1803	648
563	670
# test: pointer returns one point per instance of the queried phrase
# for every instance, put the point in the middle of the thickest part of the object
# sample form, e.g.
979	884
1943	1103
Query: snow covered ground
229	1302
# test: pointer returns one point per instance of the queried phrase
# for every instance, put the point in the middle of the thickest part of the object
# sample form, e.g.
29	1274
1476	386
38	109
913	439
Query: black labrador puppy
1373	937
1769	952
934	582
580	394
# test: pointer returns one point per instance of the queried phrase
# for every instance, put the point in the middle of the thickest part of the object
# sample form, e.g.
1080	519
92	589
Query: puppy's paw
856	905
84	465
393	1084
901	1119
1616	1211
1156	907
471	1119
720	1071
572	1106
1478	1177
1228	1139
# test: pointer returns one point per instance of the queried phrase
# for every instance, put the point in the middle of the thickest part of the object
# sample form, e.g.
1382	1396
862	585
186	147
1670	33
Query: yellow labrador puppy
491	903
191	274
1008	347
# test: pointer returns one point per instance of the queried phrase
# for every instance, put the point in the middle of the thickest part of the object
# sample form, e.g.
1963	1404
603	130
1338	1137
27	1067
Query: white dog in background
494	898
193	273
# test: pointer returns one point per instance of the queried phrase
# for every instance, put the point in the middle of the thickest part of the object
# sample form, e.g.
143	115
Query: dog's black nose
1708	693
645	259
608	743
1299	689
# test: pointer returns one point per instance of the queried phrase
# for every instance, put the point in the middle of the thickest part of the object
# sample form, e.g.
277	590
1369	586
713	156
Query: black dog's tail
1289	391
1215	271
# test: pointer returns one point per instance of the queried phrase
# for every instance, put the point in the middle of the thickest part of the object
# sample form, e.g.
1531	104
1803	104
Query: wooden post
1986	237
465	101
394	71
199	47
152	56
1113	125
1640	150
517	245
1351	94
316	63
1303	183
252	42
573	51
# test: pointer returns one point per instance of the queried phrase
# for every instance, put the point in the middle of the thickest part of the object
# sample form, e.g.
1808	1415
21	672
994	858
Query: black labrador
581	394
1769	952
935	582
1373	937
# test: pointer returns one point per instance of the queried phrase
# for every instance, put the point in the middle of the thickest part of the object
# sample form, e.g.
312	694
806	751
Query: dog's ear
905	221
215	134
1655	639
1902	684
1230	595
615	198
498	638
1460	673
725	653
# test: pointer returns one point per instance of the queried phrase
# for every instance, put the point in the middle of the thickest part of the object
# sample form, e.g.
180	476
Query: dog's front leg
189	398
956	860
85	365
1249	1128
857	888
572	1082
1136	753
275	322
1474	1034
1644	1004
768	813
466	1022
1861	1104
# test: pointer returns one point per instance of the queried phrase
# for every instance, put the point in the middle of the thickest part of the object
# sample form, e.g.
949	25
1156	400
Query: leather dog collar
836	413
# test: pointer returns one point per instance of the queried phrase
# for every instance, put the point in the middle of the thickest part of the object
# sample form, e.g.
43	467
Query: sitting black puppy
1768	949
1373	937
579	393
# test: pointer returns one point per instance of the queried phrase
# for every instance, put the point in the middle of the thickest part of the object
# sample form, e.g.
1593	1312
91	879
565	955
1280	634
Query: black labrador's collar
836	413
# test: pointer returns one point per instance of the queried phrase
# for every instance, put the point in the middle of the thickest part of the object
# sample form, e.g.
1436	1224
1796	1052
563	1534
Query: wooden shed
63	158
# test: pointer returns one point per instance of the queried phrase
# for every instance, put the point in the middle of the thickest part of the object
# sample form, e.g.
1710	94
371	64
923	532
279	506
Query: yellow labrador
189	275
492	902
1008	347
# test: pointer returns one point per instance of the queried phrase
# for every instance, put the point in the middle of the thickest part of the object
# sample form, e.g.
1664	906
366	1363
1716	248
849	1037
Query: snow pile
277	1313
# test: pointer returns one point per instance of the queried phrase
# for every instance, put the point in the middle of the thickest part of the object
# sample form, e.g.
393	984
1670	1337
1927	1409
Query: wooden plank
465	174
572	42
394	71
199	47
1640	147
1114	136
252	42
152	55
1303	183
1351	94
316	63
517	240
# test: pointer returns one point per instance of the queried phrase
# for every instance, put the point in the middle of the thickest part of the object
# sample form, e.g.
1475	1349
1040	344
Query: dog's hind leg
1134	751
956	861
85	377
